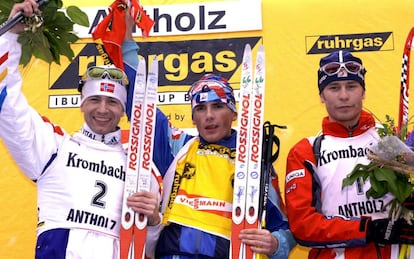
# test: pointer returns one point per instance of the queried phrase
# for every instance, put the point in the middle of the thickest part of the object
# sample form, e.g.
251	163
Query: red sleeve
302	195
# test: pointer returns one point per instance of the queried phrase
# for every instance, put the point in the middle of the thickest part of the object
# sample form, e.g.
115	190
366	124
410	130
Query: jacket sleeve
168	141
303	200
30	138
130	51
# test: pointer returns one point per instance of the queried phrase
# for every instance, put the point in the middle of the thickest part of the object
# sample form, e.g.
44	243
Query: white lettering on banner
193	18
163	98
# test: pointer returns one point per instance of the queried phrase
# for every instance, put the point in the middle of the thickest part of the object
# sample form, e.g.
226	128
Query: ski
405	81
246	195
403	110
255	155
139	158
241	166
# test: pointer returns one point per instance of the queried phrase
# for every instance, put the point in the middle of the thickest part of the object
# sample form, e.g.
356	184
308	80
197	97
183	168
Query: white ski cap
104	87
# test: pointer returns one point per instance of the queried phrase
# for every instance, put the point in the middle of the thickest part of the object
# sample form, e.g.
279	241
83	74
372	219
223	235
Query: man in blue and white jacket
80	178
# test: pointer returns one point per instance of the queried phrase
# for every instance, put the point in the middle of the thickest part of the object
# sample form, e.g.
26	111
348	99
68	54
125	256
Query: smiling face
213	120
343	101
102	113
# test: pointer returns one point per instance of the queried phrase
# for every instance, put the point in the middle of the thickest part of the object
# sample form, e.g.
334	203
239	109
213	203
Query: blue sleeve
286	244
130	51
167	142
130	57
277	223
162	154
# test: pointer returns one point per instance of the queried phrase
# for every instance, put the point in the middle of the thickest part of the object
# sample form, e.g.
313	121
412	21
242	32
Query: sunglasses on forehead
207	85
111	73
334	67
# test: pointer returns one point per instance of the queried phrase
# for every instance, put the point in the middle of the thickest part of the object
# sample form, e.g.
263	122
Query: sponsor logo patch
295	174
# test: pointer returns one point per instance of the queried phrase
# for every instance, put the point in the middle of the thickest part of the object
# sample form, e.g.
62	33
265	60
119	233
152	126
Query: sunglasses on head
334	67
112	73
207	85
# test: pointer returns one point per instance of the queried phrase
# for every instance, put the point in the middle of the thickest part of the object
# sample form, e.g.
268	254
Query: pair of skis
139	158
405	82
247	176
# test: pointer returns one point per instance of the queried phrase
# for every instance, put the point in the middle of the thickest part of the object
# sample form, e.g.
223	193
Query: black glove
409	202
384	231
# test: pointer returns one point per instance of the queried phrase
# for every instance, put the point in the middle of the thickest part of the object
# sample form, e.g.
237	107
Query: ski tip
154	65
261	47
409	42
247	47
411	31
141	63
141	59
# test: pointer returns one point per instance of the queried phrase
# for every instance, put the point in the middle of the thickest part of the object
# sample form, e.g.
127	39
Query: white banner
193	18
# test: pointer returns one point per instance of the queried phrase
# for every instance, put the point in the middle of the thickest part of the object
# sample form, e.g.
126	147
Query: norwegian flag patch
107	87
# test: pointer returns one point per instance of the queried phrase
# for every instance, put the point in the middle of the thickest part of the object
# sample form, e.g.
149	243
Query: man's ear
322	98
81	105
234	116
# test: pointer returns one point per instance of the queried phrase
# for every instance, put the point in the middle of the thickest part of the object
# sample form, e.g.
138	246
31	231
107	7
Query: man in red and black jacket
336	222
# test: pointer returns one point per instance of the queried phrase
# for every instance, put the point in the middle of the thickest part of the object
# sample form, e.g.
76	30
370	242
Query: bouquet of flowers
47	35
391	169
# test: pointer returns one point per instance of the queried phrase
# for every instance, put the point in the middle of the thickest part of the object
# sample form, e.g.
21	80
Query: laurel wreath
48	36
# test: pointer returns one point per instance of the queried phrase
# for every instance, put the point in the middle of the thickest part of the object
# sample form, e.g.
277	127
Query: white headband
104	87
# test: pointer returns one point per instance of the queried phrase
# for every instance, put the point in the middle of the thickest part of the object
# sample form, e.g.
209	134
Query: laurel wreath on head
48	35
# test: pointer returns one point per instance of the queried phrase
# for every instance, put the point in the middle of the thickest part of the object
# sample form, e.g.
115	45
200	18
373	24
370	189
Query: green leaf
379	184
403	188
53	47
384	180
358	171
26	55
5	9
385	174
64	48
77	16
59	3
59	22
44	51
55	36
376	194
